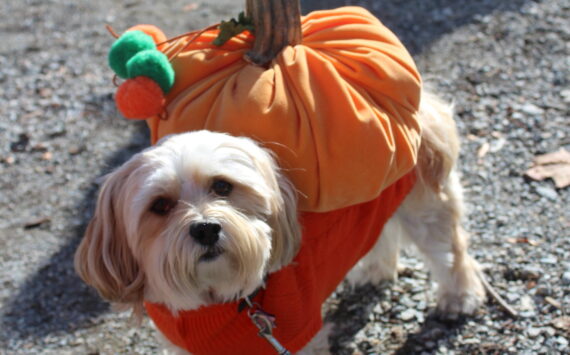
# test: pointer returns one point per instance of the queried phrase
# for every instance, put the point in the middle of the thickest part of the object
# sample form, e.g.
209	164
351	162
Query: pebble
408	315
565	95
565	279
549	259
547	192
527	303
531	109
562	341
533	332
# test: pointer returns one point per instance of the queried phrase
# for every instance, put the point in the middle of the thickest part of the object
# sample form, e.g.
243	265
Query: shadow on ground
418	23
352	314
55	299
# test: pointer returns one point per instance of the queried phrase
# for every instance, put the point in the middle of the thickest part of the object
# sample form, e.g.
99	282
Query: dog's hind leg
431	214
432	222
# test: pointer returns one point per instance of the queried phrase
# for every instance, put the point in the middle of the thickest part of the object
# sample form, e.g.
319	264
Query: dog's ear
286	238
104	259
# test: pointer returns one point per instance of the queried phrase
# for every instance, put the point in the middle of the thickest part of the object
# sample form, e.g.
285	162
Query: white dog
202	218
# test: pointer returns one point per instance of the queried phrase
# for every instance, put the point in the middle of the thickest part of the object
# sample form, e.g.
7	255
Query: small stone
565	95
565	279
562	341
547	192
549	259
534	332
549	330
527	303
378	309
531	109
9	160
512	297
47	156
408	315
75	149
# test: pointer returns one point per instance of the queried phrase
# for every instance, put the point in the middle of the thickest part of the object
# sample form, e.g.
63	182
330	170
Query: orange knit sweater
332	243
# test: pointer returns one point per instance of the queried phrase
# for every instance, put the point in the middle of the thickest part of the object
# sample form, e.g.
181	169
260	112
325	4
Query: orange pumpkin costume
339	110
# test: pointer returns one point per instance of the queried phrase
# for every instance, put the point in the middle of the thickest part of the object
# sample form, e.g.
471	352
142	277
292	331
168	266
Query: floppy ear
286	238
104	259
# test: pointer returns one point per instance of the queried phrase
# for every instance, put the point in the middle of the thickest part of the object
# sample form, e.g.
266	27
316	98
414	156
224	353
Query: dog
203	218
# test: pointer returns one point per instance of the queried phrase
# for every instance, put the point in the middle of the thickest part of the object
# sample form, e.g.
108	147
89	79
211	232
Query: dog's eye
222	188
162	206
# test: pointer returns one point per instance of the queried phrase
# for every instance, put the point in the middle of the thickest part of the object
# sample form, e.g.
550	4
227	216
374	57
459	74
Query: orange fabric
156	33
139	97
339	109
332	243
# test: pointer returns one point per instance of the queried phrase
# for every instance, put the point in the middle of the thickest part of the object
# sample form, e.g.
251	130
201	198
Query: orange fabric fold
339	109
332	244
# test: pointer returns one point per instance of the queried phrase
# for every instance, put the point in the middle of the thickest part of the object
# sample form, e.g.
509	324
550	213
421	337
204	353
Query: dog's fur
130	253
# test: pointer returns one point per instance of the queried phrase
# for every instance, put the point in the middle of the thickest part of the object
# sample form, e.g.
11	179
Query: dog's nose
206	234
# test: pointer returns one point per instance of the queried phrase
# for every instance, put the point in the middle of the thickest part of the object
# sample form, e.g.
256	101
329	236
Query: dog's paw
452	305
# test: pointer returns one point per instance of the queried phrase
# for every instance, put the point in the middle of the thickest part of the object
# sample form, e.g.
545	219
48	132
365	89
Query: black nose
206	234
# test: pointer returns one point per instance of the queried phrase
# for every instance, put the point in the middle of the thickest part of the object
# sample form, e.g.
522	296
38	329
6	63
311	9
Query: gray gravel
505	64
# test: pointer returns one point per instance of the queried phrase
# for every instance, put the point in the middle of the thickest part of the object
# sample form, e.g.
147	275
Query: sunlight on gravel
504	63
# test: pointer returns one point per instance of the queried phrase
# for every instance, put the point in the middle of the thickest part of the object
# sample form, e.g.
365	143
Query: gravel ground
505	64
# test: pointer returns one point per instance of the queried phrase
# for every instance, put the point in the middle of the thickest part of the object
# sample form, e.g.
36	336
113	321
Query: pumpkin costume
340	112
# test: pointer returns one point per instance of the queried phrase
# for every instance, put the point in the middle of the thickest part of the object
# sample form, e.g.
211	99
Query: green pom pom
125	48
153	64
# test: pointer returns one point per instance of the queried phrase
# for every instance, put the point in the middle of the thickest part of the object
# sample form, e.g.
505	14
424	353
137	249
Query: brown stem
277	25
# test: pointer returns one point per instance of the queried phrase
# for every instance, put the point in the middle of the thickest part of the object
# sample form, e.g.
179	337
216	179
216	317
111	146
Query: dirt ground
504	63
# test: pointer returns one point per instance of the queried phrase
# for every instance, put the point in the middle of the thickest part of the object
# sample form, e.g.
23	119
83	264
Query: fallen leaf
555	165
483	150
36	222
561	156
191	7
523	240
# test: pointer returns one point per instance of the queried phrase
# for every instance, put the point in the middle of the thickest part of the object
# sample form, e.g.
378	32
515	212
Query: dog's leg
381	262
431	220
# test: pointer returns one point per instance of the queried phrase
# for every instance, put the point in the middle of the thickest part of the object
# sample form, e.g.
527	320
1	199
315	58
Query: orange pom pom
156	33
139	98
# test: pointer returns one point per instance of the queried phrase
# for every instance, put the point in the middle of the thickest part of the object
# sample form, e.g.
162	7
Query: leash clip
265	323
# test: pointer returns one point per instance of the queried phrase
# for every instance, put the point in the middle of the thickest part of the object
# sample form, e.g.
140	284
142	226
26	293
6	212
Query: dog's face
200	218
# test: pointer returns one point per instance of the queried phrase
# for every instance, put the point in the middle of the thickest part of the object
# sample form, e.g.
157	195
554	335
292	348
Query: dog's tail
439	149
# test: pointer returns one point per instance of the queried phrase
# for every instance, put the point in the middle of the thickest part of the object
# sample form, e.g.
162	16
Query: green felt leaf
233	27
